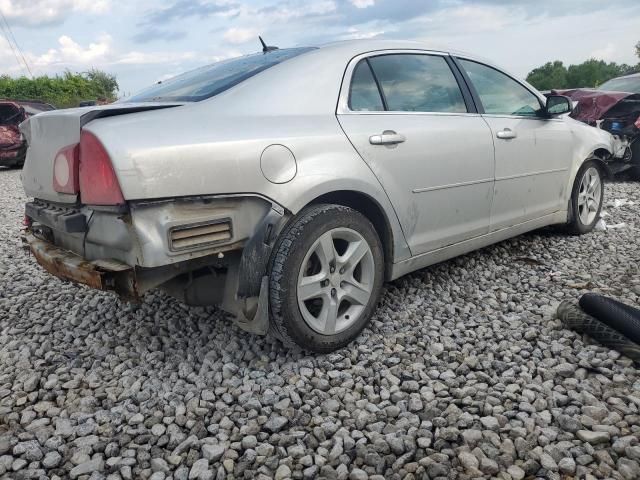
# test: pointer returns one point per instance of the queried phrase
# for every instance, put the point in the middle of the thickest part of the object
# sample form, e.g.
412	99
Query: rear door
410	120
533	153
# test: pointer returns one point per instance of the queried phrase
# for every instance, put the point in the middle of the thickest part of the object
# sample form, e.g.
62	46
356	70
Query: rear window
206	82
623	84
10	114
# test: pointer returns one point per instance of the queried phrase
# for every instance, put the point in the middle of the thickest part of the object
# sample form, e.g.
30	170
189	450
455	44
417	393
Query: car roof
345	46
284	88
352	48
632	75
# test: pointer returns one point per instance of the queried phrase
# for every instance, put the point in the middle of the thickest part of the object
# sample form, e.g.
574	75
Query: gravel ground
464	373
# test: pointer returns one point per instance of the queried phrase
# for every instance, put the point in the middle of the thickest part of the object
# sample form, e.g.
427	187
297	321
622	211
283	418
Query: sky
144	41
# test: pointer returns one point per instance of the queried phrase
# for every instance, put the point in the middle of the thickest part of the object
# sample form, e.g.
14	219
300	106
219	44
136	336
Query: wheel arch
600	155
373	211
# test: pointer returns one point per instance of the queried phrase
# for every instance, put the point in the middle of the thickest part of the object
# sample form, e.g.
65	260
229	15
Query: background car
288	185
615	107
12	147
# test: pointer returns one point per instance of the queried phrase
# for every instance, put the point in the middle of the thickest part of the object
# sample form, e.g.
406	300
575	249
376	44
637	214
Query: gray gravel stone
516	472
94	465
283	472
275	423
213	453
593	437
463	370
51	460
199	468
567	465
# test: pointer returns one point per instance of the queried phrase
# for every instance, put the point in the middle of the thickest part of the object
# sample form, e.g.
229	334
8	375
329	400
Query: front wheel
634	171
326	274
587	197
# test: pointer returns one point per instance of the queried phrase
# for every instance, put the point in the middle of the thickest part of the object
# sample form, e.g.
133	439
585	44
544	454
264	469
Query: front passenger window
499	93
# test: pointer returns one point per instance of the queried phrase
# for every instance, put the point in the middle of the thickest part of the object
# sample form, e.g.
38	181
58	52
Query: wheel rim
589	196
335	281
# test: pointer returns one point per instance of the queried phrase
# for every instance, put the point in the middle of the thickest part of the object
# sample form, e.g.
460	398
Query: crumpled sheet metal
592	104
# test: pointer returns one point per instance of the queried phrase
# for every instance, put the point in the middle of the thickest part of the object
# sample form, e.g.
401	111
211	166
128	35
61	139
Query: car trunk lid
49	132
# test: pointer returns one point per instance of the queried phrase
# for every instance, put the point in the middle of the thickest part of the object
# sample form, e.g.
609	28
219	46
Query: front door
407	118
533	153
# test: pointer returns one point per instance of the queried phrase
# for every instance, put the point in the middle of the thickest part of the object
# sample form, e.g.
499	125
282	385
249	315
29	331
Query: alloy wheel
589	195
335	281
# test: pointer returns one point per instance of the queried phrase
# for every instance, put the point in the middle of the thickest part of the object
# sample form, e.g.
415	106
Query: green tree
62	91
592	73
549	76
638	49
589	74
104	84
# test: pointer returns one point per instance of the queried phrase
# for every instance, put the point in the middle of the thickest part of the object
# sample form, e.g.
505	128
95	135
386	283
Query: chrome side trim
423	114
452	185
531	174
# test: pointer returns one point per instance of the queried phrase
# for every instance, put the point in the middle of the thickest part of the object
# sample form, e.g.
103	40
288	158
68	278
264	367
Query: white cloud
147	58
70	54
609	52
71	51
238	36
363	3
42	12
316	7
357	34
479	18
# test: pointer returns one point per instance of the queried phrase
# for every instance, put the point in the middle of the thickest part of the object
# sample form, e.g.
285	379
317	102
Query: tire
622	318
586	201
574	318
634	172
350	290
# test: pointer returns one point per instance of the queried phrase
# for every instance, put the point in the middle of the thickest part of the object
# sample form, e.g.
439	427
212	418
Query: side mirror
557	105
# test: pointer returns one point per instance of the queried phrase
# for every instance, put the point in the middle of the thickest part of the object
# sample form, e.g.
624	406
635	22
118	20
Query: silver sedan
286	186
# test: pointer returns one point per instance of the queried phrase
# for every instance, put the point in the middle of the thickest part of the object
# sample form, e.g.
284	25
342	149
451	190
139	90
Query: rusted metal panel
100	274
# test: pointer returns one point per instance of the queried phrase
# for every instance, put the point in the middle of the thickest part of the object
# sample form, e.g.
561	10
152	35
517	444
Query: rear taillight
65	170
98	181
637	124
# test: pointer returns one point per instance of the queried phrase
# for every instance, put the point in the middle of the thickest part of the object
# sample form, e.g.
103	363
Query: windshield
206	82
623	84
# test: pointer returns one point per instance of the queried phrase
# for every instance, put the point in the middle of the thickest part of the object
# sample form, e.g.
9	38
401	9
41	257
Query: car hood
592	105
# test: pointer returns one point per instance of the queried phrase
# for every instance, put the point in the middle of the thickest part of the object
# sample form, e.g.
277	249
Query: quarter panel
222	157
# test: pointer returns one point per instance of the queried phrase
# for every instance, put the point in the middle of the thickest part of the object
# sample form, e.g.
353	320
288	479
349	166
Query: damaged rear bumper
107	275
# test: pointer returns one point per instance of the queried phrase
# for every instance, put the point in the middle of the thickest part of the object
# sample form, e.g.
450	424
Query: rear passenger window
499	93
364	95
418	83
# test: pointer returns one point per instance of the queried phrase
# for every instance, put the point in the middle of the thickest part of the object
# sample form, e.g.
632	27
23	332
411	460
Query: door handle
506	134
388	137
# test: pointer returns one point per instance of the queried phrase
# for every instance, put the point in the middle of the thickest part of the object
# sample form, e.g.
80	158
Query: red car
615	107
12	144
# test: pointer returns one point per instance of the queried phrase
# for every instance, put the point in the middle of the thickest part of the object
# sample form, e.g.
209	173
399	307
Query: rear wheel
326	274
586	199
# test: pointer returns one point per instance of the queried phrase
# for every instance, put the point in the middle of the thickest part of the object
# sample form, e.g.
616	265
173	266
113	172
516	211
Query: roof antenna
265	47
